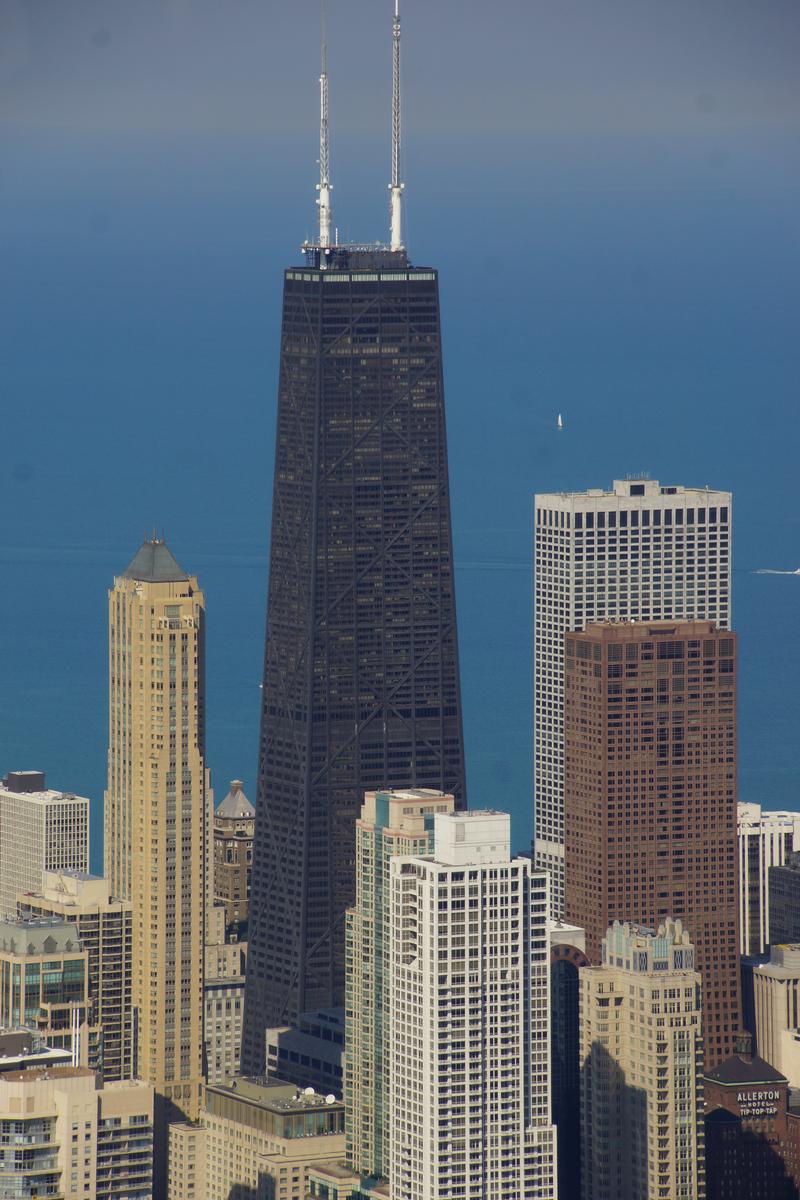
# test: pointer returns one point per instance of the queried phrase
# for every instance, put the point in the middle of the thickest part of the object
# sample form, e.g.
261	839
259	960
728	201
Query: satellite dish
330	1099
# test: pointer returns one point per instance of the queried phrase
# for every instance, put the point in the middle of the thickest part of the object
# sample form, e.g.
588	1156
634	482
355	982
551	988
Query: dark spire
155	563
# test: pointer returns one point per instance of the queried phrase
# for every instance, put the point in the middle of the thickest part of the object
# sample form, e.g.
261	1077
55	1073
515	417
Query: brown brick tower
650	795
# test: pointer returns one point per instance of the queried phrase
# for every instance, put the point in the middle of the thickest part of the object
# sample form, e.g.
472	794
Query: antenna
324	185
396	187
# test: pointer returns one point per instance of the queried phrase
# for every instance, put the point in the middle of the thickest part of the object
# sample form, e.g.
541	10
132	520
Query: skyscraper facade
642	1068
361	682
650	791
397	822
641	552
469	1019
156	817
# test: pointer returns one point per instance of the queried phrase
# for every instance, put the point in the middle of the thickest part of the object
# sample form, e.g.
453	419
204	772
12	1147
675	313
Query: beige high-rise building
104	929
157	819
68	1136
642	1068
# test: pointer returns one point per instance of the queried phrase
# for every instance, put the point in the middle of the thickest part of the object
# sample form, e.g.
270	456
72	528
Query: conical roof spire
236	805
154	562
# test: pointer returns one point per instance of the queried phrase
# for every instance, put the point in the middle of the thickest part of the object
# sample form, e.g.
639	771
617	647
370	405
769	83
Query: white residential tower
469	1021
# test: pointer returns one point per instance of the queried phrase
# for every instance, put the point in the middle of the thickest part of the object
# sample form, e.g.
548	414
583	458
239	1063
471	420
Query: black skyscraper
361	682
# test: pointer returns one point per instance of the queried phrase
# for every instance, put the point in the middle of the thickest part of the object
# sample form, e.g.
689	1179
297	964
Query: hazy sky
470	68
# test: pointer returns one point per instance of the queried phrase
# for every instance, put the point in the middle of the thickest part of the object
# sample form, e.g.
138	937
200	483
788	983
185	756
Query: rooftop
236	806
43	935
155	563
745	1068
275	1094
640	489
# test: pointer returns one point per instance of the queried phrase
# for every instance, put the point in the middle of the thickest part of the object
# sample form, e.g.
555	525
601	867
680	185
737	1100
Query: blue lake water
656	305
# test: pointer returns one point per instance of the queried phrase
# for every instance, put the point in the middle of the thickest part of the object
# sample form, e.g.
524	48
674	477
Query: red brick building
650	795
752	1137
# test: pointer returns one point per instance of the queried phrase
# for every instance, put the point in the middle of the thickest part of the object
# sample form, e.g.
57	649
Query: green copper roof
155	563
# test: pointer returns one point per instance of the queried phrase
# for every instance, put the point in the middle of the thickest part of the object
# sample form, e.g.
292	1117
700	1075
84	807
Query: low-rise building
261	1136
752	1135
310	1053
81	1139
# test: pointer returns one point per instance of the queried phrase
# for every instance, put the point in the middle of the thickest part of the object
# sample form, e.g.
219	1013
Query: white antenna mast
324	186
396	187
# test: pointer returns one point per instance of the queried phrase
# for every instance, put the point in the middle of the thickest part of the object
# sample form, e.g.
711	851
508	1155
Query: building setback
642	1068
157	819
642	552
650	788
40	830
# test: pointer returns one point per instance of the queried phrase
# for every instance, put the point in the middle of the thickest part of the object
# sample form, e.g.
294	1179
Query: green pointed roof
155	563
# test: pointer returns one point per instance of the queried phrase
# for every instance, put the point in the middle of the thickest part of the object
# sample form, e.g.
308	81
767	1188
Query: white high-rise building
640	552
469	1019
765	838
40	830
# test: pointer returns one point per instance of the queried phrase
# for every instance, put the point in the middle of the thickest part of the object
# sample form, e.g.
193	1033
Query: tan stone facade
82	1140
260	1136
641	1068
156	814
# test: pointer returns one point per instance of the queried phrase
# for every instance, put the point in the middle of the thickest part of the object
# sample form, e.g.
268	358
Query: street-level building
752	1132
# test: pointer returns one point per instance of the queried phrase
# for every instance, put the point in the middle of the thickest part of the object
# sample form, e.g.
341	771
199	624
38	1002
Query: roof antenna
396	187
324	186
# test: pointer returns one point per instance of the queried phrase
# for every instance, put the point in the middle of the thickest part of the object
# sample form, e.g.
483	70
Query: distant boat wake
769	571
